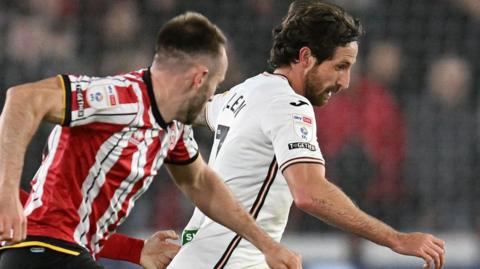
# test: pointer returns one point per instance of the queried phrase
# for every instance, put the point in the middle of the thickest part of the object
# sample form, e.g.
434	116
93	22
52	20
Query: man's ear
306	59
199	76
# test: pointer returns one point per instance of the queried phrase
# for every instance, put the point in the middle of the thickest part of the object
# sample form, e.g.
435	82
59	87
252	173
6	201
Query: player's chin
320	101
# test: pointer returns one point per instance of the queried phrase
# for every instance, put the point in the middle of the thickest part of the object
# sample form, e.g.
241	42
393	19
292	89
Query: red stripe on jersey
148	106
114	179
23	197
120	215
74	156
125	94
179	154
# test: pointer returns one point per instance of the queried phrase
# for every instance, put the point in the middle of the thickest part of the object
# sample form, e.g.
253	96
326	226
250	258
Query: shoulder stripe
301	160
67	99
254	211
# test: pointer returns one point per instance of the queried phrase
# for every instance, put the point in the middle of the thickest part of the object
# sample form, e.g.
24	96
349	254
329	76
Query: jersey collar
156	112
278	75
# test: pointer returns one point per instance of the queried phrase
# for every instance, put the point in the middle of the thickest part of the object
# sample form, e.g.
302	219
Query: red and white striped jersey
111	144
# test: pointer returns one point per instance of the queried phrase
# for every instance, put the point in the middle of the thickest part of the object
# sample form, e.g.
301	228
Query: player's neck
294	77
164	87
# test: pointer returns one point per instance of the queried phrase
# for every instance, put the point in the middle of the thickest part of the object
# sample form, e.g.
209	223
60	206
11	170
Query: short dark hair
190	33
320	26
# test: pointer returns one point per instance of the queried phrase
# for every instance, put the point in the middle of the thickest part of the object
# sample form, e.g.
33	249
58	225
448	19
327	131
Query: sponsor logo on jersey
302	119
299	103
301	145
100	97
302	126
188	235
80	101
112	95
97	97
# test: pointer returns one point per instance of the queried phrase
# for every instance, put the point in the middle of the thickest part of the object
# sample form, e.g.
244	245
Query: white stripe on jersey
190	144
96	178
41	175
141	106
152	120
119	197
87	81
119	114
157	163
130	76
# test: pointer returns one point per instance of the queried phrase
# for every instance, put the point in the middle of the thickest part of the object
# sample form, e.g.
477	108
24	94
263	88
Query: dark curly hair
310	23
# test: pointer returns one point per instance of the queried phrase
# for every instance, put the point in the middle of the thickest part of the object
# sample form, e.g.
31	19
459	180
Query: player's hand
158	252
13	223
425	246
279	257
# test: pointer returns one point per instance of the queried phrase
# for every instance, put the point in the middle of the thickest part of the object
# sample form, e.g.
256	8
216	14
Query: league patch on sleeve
303	127
100	97
302	145
112	95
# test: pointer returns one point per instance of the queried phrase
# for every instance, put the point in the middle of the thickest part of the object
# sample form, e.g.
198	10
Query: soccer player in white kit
266	150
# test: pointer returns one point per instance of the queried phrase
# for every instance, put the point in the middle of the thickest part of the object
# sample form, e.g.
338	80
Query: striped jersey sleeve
185	150
87	100
289	123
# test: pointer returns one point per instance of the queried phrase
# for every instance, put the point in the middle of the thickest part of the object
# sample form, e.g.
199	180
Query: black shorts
66	256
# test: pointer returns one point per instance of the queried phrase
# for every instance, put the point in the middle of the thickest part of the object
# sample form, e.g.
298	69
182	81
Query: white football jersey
261	127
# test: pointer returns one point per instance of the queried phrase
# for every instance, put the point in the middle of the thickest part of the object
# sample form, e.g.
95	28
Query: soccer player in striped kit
113	134
266	150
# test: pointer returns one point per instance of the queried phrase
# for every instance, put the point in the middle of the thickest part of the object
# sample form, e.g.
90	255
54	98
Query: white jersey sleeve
214	107
289	122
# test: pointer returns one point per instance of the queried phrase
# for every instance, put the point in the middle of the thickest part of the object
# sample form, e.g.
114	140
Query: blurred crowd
403	141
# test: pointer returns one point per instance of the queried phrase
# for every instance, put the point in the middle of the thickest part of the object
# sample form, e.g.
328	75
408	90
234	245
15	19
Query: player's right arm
25	107
210	194
314	194
289	122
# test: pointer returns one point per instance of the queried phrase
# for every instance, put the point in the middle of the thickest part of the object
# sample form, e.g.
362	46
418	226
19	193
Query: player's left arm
314	194
202	185
154	253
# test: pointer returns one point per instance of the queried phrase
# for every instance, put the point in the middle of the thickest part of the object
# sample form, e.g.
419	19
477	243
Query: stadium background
403	141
